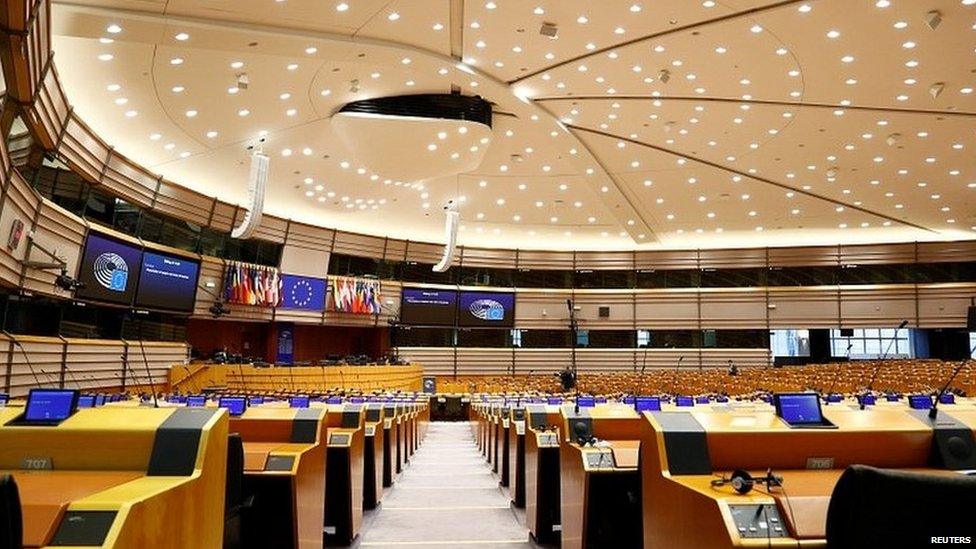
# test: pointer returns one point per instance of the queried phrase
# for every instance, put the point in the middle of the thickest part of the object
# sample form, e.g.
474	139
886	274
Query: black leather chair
11	521
234	505
888	508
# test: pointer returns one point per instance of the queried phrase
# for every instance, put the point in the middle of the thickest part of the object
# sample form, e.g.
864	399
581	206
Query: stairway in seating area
446	497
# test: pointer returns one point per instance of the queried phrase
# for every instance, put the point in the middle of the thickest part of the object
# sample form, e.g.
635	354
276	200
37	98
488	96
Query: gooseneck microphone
30	366
934	410
877	369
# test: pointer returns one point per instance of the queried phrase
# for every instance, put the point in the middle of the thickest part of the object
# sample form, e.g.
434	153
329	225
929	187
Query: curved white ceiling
672	124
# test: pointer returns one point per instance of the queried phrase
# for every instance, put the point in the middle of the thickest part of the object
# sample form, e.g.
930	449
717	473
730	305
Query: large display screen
109	269
486	309
423	307
167	282
302	292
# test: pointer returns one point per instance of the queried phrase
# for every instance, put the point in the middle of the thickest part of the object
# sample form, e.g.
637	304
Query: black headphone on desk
742	482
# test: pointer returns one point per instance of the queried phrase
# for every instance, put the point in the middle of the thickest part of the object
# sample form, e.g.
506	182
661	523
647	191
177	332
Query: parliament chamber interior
626	274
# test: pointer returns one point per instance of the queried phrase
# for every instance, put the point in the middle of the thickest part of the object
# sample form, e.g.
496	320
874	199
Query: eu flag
302	292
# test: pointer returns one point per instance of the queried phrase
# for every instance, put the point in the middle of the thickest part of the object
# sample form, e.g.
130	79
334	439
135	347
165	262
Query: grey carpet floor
446	497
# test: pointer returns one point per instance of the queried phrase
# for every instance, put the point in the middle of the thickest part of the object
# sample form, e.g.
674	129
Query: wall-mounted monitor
426	307
303	292
109	269
486	309
167	281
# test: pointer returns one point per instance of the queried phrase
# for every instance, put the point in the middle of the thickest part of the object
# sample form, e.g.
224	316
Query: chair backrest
888	508
11	521
234	495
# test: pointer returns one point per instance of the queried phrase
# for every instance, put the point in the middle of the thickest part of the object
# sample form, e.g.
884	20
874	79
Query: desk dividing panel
344	473
516	455
688	458
116	477
542	493
600	487
284	473
373	455
390	451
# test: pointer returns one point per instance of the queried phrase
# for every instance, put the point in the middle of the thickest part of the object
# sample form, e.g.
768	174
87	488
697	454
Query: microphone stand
833	382
574	327
674	377
884	356
30	366
934	410
145	360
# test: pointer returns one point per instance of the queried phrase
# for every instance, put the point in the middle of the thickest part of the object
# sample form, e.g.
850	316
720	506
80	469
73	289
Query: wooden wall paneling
60	232
604	360
486	257
272	229
211	273
874	306
877	254
666	309
616	260
540	361
803	307
732	259
539	308
395	250
621	309
730	308
93	363
665	260
20	202
938	252
422	252
44	363
358	244
82	150
944	305
182	203
804	256
222	216
539	259
51	109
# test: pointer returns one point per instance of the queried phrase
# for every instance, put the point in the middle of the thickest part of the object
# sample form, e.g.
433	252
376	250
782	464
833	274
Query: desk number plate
370	430
504	424
820	463
519	427
37	463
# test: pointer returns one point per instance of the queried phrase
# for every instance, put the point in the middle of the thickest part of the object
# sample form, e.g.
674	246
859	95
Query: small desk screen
799	408
684	401
255	401
947	398
50	404
868	400
100	400
298	401
648	404
86	401
701	400
587	402
4	398
920	402
235	405
334	400
196	401
554	401
892	398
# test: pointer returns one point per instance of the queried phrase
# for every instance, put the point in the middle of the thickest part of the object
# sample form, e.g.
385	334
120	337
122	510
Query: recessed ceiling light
113	29
236	64
804	8
233	90
490	5
105	57
325	92
191	113
833	33
438	26
847	59
292	66
908	45
113	87
155	136
311	50
177	89
582	20
393	16
130	114
756	29
176	61
342	6
121	101
243	112
182	36
211	134
105	40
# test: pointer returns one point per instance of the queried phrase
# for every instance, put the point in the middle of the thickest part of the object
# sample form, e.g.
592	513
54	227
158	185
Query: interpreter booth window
867	343
789	342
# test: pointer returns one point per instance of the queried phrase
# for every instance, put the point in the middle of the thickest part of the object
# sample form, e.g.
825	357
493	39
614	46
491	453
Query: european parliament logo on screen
302	292
488	310
111	271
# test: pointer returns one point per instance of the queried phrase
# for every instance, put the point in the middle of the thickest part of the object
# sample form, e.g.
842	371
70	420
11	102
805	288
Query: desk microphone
833	382
934	410
884	356
674	381
145	361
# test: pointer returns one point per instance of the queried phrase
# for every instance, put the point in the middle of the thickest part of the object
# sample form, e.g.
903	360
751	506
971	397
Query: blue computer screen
299	401
947	398
587	402
196	401
892	398
701	400
834	397
721	398
86	401
648	404
255	401
334	400
4	398
798	408
920	402
100	400
684	401
50	404
235	405
554	401
868	400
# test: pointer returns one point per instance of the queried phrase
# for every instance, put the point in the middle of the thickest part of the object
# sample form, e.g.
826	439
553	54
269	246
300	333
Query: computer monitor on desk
298	401
4	399
587	402
920	402
49	406
86	401
235	405
648	404
684	401
196	401
801	411
255	401
100	399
